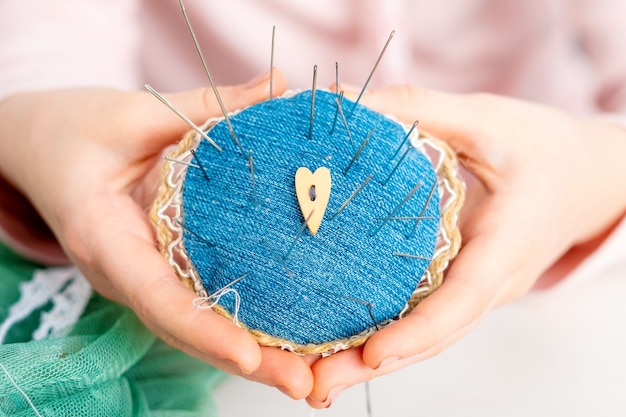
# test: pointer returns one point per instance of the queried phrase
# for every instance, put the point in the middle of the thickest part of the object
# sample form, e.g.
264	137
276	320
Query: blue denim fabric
310	297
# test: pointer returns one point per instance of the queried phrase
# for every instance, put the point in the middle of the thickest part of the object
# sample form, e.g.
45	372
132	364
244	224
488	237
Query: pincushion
231	224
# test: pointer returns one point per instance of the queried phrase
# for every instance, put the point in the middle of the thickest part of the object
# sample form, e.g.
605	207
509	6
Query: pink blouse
566	53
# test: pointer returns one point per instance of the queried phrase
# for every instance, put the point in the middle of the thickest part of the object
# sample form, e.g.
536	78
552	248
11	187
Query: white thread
175	249
213	299
28	400
290	348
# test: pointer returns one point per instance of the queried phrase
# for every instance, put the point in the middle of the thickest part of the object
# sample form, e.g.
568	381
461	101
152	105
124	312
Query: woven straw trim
169	240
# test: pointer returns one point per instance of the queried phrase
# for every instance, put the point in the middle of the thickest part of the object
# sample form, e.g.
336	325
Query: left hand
88	160
554	186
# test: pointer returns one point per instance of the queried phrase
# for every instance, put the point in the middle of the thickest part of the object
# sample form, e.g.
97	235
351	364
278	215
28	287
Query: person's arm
553	184
69	43
602	40
92	176
79	167
48	45
554	205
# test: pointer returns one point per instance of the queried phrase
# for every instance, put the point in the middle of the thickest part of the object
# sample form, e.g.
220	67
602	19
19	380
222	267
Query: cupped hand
87	159
553	187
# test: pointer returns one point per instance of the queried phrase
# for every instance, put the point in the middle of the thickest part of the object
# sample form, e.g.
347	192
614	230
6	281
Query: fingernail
259	79
333	394
235	367
284	390
388	361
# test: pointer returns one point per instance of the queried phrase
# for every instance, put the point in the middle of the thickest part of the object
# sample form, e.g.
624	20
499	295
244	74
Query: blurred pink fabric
565	53
568	53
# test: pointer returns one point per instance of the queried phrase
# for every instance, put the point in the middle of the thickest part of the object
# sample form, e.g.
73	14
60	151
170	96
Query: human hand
553	187
88	160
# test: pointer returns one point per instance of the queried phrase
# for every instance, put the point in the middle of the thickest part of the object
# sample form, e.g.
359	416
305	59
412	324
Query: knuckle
412	94
476	299
207	98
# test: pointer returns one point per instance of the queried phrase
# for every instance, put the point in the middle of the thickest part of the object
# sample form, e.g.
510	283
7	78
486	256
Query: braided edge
168	206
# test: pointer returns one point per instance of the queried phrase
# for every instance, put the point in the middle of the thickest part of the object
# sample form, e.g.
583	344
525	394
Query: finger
457	119
442	113
282	369
472	286
335	373
139	272
167	309
345	369
208	337
201	104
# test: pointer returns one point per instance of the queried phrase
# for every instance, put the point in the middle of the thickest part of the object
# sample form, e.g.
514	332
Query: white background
560	352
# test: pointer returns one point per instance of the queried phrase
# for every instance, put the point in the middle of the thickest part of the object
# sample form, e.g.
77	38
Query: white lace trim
65	287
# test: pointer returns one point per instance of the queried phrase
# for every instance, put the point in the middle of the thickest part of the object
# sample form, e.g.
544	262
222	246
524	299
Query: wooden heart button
313	192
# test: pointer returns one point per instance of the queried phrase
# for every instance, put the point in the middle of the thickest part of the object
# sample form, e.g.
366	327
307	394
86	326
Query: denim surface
322	290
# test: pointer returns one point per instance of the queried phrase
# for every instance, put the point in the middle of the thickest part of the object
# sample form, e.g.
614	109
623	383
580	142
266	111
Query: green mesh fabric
107	364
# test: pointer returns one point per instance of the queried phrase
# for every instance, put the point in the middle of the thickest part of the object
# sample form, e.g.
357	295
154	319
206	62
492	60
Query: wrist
576	257
607	145
23	229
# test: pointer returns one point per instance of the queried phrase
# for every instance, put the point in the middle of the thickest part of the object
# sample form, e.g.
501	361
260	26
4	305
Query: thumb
442	113
200	104
467	122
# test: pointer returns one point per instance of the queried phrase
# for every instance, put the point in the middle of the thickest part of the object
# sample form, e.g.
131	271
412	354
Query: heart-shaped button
313	192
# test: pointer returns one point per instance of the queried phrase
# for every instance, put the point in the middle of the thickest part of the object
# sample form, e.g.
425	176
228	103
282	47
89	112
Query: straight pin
195	157
398	207
208	73
417	222
340	97
406	218
278	258
368	399
300	231
393	32
356	155
359	188
313	101
182	116
404	140
345	122
370	306
215	297
272	65
408	255
336	78
178	161
370	310
251	162
208	243
230	284
397	165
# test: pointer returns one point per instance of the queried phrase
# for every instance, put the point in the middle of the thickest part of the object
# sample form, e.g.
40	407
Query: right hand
86	159
554	189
